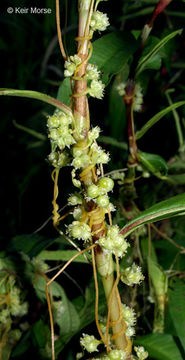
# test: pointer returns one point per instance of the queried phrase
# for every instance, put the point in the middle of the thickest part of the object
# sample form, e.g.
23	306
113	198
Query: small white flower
79	230
92	72
93	134
71	65
75	199
99	21
130	332
117	355
96	89
121	89
89	343
129	315
138	98
132	275
142	354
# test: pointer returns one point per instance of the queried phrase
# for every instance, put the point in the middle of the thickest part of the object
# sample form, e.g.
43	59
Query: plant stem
81	111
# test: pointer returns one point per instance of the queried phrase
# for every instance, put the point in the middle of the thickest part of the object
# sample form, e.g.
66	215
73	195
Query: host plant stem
81	114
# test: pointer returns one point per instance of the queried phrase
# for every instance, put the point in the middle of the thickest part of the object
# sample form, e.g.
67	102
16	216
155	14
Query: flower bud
93	191
79	231
53	122
99	21
132	275
92	72
142	354
75	199
77	213
89	343
96	89
103	201
106	184
117	355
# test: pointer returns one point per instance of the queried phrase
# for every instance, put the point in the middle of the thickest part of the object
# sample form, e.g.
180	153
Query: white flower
138	98
92	72
114	242
75	199
93	134
121	89
99	21
129	315
71	65
117	355
142	354
79	230
96	89
132	275
130	332
89	343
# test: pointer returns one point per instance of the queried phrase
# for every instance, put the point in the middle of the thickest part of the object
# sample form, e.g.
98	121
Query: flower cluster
89	343
114	242
114	355
99	21
99	192
142	354
61	136
138	96
91	156
71	65
12	304
132	275
79	230
96	89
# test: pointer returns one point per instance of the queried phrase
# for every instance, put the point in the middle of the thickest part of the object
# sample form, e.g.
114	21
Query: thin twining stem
59	31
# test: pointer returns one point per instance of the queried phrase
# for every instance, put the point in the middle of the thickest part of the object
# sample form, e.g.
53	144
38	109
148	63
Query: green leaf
62	255
144	61
176	305
64	92
38	96
158	277
30	244
160	346
162	210
156	118
154	63
153	163
111	52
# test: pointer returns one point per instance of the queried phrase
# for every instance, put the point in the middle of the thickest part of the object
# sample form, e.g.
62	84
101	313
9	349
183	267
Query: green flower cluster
61	136
114	242
132	275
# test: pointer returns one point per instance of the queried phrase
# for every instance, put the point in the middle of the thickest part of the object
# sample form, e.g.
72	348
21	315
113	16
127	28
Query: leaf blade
162	210
156	118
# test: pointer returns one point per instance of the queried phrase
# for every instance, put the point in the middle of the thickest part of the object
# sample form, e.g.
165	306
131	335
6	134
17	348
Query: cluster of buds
114	355
61	136
95	154
138	96
129	318
71	65
12	304
89	343
114	242
60	131
99	192
142	354
99	21
79	230
132	275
